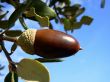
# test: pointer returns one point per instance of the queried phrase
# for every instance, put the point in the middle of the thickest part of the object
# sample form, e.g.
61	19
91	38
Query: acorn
48	43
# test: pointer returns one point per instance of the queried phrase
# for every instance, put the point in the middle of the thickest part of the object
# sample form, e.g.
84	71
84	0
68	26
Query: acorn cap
26	40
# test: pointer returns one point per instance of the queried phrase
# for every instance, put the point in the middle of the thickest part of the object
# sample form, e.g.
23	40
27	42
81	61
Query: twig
12	66
56	11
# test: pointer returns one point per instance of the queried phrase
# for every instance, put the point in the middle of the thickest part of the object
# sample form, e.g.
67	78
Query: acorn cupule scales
48	43
26	40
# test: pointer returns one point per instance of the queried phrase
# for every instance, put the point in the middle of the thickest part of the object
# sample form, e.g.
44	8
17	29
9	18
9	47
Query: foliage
43	12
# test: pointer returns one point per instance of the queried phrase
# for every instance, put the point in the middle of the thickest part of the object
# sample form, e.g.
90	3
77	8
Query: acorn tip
80	48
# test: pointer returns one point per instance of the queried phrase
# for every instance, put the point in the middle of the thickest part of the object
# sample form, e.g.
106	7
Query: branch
6	53
12	66
56	11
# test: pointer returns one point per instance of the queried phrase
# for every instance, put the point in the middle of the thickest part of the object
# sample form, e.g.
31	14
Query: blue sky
92	63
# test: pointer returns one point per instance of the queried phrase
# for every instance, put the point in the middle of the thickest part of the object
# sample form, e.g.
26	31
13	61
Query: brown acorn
48	43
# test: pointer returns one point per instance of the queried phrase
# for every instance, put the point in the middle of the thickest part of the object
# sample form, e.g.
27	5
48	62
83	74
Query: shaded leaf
5	1
17	13
56	20
102	3
86	20
67	24
52	2
13	48
32	70
4	24
76	25
80	11
41	9
44	60
67	2
14	16
71	24
50	26
0	48
8	77
44	21
73	9
13	33
11	77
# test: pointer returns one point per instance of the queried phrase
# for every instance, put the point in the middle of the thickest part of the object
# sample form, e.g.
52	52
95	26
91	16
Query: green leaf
44	60
44	21
13	48
4	24
76	25
11	77
32	70
73	9
50	26
56	20
8	77
80	11
102	3
86	20
42	9
16	14
67	24
13	33
52	2
71	24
